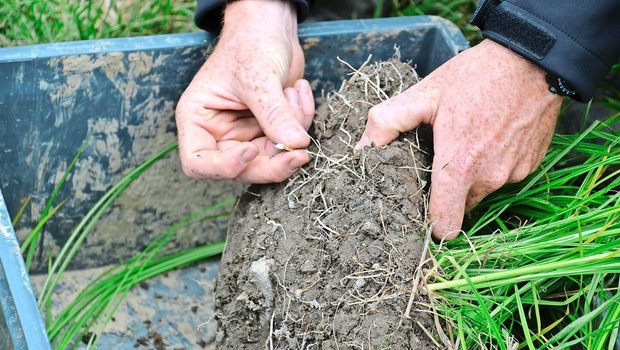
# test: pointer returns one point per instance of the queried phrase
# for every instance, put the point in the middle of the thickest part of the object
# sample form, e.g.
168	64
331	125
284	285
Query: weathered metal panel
21	326
123	93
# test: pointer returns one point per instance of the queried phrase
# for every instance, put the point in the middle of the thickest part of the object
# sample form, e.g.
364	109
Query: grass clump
88	314
457	11
539	266
96	304
27	22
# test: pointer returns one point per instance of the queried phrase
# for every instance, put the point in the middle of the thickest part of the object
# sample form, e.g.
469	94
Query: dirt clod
328	259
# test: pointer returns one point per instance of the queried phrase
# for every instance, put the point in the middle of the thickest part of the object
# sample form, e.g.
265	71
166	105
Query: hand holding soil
491	112
248	97
492	117
333	258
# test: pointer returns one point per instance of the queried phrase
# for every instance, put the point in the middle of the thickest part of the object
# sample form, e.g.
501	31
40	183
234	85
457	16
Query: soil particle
158	340
327	260
87	338
141	341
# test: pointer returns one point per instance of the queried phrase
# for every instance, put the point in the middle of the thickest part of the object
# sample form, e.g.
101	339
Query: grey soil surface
328	259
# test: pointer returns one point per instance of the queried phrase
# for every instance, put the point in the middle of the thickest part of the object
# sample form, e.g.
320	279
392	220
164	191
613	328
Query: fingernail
295	163
248	155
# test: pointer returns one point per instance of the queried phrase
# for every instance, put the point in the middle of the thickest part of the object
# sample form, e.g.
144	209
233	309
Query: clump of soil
328	259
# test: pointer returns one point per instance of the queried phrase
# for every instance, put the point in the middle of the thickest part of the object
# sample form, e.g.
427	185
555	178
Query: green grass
95	305
27	22
457	11
539	263
550	243
85	226
30	244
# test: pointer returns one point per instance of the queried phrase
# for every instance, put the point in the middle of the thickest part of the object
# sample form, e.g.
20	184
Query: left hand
247	98
492	116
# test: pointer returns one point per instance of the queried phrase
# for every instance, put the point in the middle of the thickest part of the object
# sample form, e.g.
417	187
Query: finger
493	180
294	101
264	169
264	145
447	202
192	138
540	156
267	102
237	128
520	172
400	113
474	197
307	101
218	164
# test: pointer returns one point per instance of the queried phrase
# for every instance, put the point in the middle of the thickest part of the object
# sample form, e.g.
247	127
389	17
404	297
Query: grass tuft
27	22
541	258
93	307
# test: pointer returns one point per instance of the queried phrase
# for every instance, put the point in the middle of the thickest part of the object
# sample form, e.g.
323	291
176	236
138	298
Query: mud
328	259
131	118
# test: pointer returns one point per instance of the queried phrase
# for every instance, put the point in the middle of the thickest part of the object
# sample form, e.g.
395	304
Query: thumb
274	114
400	113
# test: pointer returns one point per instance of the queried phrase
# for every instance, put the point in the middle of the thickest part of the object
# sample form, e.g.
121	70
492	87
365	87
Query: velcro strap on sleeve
510	24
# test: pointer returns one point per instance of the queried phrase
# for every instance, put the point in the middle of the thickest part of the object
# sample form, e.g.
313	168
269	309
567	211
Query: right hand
248	97
493	117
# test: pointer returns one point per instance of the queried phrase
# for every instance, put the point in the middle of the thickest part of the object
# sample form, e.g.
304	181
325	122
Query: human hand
246	98
493	118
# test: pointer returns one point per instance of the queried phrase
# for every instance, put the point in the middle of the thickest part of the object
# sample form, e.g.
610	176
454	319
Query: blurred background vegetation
26	22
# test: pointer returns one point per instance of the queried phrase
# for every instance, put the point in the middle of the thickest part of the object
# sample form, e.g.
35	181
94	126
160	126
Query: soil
329	259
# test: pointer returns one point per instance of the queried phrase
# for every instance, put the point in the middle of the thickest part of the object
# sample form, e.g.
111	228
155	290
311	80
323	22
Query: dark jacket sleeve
575	40
209	13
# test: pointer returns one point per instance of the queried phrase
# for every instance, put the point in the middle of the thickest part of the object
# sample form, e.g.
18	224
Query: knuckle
465	167
279	176
520	174
196	167
274	114
190	171
497	179
375	116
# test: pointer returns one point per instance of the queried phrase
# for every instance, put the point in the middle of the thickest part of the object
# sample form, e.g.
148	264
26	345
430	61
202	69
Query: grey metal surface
123	93
21	317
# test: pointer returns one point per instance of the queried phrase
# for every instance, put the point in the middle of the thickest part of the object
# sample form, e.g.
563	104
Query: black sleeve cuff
537	30
210	13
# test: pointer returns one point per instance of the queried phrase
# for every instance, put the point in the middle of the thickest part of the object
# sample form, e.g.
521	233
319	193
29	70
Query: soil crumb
328	259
